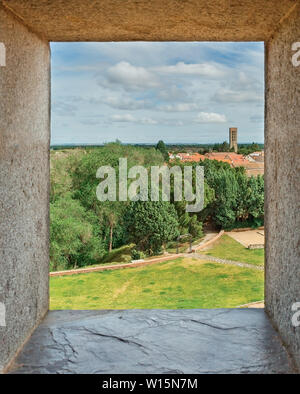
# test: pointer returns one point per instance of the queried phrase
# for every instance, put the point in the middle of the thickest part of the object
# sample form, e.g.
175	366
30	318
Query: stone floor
154	341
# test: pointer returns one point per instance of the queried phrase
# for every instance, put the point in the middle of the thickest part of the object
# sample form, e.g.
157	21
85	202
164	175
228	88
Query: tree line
84	230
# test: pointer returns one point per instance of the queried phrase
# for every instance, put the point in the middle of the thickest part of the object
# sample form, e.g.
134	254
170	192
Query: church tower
233	138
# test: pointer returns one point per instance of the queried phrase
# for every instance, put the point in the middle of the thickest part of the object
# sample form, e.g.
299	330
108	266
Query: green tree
256	199
243	193
224	147
74	242
163	149
63	164
150	224
111	213
225	204
85	183
195	227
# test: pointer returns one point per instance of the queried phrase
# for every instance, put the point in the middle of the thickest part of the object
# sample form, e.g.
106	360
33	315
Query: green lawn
230	249
177	284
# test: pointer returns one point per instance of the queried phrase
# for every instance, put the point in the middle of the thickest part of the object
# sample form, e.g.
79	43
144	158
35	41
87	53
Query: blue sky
145	91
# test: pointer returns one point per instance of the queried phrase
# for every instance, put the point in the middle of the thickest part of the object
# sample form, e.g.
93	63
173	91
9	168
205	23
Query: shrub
137	254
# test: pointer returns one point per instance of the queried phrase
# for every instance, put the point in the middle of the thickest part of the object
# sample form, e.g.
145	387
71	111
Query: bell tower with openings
233	138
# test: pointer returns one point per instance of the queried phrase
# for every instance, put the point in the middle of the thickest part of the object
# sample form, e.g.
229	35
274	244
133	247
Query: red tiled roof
232	158
189	156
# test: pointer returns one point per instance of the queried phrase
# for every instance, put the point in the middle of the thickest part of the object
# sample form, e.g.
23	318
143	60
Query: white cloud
203	69
123	118
243	88
173	122
224	95
131	119
126	103
180	107
210	117
131	77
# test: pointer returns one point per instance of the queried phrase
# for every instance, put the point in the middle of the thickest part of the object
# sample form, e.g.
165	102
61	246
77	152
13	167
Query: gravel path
223	261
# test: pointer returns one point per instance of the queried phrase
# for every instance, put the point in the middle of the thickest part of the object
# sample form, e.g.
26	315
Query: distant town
253	163
248	155
251	156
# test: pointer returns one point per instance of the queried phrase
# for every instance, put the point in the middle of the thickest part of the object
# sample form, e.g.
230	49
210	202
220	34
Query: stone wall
24	182
152	20
282	176
24	140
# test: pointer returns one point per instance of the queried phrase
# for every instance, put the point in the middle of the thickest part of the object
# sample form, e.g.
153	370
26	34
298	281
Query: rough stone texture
153	341
152	20
24	142
282	206
24	183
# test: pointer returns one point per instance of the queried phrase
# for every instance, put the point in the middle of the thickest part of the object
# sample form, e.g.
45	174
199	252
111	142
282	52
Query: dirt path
122	289
207	237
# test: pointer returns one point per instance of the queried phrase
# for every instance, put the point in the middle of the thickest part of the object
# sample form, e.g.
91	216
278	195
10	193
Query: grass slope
177	284
228	248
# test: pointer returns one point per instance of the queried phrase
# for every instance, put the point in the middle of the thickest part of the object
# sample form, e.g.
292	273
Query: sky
141	92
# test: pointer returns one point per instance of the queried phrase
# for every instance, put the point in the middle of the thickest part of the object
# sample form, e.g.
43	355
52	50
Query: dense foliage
151	224
163	149
86	231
